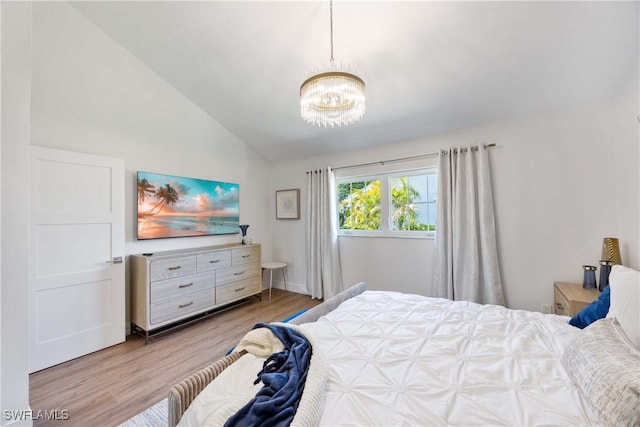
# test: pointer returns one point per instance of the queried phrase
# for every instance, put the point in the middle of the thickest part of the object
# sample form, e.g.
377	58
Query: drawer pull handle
238	273
185	305
174	268
186	285
246	256
559	306
213	261
240	289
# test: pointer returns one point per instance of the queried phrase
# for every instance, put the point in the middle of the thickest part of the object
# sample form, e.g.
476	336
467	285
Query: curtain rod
404	159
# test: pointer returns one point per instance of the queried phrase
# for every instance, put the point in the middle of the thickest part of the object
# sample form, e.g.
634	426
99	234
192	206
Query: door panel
85	188
91	302
76	292
86	247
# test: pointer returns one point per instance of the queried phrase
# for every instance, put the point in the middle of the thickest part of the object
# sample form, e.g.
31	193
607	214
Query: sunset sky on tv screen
174	206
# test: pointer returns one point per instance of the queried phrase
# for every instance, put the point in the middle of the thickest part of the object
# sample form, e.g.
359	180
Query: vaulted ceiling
429	67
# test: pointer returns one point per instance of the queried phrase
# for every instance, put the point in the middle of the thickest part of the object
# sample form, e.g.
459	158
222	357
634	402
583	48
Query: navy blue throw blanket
284	375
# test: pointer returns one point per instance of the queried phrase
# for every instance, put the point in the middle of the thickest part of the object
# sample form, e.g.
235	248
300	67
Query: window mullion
384	204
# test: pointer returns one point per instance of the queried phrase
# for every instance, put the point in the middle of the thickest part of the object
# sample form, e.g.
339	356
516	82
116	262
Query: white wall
91	95
16	74
562	182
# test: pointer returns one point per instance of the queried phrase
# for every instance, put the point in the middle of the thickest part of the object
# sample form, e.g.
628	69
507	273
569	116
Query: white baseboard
298	288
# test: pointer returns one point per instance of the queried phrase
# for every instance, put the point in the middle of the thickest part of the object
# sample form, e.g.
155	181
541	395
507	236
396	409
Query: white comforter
398	359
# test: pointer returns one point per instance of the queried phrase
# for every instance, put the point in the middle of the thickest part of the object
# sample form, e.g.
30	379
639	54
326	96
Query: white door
76	253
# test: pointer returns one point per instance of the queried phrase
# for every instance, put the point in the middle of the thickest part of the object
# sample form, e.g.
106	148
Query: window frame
385	204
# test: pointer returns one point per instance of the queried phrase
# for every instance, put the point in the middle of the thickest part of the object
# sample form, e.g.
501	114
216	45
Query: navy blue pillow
594	311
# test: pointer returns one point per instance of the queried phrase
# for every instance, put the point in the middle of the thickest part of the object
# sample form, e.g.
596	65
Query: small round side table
275	265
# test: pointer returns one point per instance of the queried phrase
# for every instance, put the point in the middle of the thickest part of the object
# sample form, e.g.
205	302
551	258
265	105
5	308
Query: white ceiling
429	67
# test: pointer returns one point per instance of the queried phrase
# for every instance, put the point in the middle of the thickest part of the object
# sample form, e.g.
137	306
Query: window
398	204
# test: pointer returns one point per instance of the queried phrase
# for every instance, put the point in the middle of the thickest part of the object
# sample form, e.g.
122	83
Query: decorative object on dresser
243	228
173	288
570	298
589	280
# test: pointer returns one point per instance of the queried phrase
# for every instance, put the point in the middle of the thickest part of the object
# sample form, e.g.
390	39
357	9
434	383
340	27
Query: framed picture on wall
288	204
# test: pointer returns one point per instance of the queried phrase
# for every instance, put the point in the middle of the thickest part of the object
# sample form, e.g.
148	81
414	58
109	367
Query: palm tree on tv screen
145	189
164	196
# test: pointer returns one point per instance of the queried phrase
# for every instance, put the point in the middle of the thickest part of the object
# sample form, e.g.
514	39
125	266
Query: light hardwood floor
108	387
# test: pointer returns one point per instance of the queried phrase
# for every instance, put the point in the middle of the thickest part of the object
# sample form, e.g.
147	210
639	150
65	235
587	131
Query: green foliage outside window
405	205
360	206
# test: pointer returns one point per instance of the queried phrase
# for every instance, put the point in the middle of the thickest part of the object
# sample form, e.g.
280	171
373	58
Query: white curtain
324	276
467	256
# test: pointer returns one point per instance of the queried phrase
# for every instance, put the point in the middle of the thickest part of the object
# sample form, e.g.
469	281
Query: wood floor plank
108	387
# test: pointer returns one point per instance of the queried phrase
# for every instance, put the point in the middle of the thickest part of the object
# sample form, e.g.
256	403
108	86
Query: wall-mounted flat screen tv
175	206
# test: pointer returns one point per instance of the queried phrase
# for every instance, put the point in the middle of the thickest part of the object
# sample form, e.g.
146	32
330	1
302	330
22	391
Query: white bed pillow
625	301
603	364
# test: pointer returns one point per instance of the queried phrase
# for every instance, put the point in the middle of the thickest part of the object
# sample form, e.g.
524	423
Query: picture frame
288	204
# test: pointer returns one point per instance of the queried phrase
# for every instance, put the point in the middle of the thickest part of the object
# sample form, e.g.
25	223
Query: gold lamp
611	250
335	95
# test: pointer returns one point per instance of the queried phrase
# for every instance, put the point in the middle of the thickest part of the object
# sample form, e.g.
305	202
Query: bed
387	358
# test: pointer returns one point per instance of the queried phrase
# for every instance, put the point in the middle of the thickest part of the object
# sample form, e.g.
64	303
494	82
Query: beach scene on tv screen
174	206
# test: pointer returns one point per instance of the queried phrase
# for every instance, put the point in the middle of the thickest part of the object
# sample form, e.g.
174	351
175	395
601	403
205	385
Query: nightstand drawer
561	305
570	298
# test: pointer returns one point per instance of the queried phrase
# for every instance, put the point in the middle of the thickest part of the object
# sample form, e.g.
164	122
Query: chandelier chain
331	26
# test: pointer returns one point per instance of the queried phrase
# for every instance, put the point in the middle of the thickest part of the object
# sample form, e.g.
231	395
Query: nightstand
570	298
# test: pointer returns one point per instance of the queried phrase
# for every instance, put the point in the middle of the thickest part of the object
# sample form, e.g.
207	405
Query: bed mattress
400	359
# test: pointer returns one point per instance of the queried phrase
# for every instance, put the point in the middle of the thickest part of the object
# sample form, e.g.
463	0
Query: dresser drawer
173	288
245	255
167	268
178	307
236	290
238	272
214	260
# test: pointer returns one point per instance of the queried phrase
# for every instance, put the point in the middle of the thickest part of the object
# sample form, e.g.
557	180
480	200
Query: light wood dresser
171	288
569	298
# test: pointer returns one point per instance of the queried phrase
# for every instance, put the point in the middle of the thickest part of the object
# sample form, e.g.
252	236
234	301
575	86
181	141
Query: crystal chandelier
333	96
